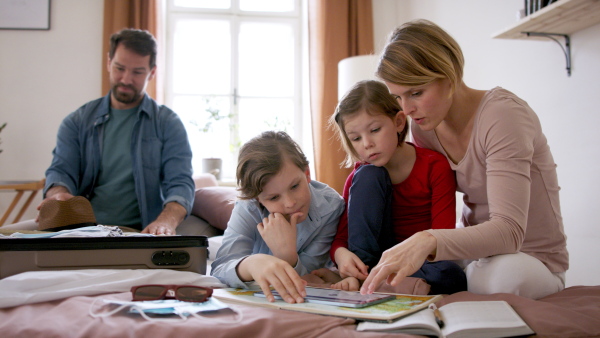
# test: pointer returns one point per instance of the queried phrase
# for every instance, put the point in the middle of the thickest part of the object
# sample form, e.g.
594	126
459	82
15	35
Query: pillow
214	205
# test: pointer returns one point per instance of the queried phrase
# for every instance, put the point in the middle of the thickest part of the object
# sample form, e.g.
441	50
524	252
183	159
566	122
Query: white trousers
519	274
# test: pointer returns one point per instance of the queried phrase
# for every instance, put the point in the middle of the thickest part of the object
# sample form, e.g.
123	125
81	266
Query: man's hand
350	265
280	236
58	193
269	270
168	220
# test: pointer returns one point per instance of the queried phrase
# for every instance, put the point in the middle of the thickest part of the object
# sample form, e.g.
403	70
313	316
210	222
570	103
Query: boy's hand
350	265
347	284
268	270
280	236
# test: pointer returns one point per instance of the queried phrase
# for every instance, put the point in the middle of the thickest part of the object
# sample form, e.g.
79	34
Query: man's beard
126	98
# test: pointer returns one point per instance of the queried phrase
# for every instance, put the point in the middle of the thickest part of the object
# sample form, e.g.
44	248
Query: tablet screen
338	297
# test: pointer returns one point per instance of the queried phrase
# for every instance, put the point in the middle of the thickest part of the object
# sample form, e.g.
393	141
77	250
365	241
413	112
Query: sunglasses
186	293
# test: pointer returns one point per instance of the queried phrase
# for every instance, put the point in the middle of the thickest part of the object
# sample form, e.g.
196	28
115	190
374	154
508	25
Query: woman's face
427	105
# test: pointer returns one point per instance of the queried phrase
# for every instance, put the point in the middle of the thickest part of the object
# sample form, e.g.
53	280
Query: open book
388	311
460	319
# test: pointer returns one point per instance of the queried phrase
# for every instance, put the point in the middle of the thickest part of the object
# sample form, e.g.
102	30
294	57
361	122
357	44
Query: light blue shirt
313	236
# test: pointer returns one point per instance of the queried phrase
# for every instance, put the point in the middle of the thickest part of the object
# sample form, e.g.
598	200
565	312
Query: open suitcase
185	253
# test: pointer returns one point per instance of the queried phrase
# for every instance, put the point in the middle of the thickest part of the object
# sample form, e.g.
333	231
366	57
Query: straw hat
75	212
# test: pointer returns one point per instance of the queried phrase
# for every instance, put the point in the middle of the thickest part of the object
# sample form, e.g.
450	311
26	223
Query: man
125	153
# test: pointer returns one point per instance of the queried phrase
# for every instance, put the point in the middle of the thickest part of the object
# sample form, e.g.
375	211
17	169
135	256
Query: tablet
337	297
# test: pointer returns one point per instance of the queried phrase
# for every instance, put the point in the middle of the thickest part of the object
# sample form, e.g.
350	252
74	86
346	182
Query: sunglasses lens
150	292
191	294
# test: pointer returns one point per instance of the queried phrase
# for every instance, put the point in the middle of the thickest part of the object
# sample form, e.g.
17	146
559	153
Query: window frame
236	17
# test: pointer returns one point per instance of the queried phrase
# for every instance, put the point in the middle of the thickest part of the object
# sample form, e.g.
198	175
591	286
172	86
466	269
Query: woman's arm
497	183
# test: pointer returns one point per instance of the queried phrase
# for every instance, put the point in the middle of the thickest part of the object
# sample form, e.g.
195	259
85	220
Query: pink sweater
508	176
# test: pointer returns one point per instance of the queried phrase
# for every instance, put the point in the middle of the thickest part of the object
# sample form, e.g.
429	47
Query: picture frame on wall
25	14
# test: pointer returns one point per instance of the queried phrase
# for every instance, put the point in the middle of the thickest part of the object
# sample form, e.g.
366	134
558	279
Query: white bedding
41	286
214	243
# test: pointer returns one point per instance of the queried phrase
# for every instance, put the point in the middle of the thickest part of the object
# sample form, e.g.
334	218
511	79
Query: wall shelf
558	19
562	17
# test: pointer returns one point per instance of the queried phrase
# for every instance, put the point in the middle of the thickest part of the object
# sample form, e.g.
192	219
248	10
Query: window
234	70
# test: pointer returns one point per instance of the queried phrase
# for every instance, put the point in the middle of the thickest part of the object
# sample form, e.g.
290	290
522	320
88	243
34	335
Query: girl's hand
350	265
400	261
280	236
347	284
327	275
268	270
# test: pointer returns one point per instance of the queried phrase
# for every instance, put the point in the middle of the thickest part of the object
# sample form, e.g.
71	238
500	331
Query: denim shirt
313	236
160	153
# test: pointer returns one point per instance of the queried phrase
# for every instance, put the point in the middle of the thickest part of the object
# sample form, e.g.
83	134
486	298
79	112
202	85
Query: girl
395	190
283	223
494	142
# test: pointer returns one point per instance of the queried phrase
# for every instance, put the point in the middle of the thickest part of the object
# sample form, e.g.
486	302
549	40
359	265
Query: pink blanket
573	312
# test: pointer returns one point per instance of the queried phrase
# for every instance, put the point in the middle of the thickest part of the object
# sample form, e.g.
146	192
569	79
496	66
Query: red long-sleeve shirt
426	199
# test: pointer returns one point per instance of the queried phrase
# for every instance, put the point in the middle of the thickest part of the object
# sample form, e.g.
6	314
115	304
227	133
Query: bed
57	304
61	308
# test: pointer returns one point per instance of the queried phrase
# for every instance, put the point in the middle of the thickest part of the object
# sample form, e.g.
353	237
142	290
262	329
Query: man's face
129	75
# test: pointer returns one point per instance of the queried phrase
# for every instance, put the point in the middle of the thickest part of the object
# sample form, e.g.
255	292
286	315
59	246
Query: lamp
354	69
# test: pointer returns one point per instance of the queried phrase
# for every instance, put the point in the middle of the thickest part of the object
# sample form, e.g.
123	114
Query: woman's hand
280	236
400	261
268	270
350	265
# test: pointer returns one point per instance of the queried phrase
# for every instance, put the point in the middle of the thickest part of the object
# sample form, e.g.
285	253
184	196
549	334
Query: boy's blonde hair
262	157
420	52
372	97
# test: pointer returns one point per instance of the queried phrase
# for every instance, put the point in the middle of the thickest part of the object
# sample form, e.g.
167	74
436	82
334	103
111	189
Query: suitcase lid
99	243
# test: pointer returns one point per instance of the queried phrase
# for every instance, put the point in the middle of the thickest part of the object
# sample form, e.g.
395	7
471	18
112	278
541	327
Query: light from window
202	57
232	76
209	4
267	5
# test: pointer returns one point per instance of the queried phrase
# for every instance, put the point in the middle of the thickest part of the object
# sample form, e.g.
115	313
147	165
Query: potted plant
210	124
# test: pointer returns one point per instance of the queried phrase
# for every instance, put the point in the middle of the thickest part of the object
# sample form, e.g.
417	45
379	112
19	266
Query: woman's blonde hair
372	97
420	52
262	157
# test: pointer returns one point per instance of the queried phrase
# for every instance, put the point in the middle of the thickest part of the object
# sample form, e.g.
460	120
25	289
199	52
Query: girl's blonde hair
420	52
262	157
370	96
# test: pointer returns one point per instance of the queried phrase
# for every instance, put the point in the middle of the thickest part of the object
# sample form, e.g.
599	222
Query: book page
494	318
387	311
419	323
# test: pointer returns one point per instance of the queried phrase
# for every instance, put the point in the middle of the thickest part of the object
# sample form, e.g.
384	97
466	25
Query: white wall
534	70
47	74
44	76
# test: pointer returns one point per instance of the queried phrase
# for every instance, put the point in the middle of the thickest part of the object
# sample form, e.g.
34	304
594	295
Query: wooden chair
20	187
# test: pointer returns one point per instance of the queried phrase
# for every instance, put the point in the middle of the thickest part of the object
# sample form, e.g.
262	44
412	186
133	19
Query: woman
511	224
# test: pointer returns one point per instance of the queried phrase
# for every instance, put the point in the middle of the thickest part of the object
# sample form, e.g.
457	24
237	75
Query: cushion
214	204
